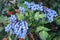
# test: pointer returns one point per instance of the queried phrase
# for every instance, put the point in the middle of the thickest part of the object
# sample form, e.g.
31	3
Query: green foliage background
30	16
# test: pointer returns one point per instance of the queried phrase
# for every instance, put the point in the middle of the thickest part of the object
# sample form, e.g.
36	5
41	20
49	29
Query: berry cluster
33	6
22	10
18	28
50	14
21	28
12	18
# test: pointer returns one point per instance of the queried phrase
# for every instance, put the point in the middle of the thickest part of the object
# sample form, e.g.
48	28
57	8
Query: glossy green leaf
46	29
41	16
36	15
40	28
43	35
26	14
57	20
10	38
29	24
1	28
20	16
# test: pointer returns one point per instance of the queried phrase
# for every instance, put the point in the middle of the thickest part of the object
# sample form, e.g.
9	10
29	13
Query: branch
30	35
